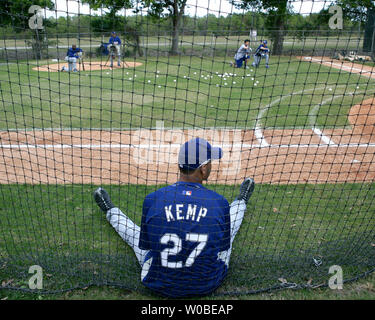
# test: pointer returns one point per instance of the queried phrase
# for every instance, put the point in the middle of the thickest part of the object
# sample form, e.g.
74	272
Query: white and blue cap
196	153
265	41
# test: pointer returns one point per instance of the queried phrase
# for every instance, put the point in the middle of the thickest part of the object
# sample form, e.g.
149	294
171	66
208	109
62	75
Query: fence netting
99	93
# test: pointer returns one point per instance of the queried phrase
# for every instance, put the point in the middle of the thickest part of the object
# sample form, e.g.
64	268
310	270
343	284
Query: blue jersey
73	53
185	226
263	48
112	40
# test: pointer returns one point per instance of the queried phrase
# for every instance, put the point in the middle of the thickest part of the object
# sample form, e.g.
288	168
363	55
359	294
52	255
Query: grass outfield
184	92
285	227
346	41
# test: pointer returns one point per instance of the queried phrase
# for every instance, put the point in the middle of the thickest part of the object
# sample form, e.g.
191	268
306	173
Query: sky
194	7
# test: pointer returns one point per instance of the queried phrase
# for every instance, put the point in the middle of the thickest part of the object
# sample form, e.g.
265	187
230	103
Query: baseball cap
265	41
197	152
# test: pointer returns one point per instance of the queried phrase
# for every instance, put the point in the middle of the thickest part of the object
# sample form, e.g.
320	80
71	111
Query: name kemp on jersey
183	212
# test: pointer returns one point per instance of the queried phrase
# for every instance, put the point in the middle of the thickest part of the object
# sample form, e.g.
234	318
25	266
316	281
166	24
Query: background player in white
185	239
242	55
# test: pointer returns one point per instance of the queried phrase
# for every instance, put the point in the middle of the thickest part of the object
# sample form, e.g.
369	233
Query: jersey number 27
201	239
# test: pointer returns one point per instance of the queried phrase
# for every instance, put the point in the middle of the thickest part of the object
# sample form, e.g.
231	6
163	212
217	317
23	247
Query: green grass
182	92
286	226
349	41
60	228
363	289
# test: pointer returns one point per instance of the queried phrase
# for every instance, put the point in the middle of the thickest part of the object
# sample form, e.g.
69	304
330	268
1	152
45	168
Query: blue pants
239	62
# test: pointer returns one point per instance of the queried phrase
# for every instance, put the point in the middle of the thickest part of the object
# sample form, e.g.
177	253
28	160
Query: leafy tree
16	12
174	9
277	12
362	11
356	10
112	21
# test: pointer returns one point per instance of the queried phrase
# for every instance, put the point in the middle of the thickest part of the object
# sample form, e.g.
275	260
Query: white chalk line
323	137
258	130
326	140
361	71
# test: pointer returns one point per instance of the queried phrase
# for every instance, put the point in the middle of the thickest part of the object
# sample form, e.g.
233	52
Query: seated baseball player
261	52
187	231
242	55
72	56
115	41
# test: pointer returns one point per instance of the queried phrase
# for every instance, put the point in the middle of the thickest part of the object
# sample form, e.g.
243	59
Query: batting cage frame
224	147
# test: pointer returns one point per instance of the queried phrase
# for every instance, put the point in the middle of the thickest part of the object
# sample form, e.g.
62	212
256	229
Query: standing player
72	55
115	42
242	55
261	51
187	231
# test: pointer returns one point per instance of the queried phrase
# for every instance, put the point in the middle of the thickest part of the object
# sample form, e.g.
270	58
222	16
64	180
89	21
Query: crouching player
187	231
242	55
261	52
72	56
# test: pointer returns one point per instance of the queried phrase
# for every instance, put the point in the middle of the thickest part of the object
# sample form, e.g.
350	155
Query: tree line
274	18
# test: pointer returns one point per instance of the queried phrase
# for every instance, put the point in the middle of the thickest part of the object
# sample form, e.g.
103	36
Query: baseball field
303	129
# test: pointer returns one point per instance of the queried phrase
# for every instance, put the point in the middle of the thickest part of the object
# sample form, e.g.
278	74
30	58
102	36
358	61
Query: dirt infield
150	156
280	156
363	70
89	66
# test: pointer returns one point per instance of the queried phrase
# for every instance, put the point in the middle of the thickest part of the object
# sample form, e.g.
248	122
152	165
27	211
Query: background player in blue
185	239
115	41
261	52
